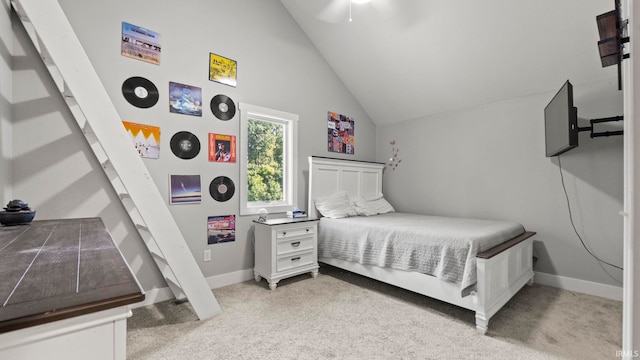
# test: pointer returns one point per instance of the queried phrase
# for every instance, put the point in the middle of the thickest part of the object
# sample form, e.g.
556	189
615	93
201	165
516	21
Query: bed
472	263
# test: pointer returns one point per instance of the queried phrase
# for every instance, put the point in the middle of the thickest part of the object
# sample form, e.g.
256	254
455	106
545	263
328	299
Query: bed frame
502	270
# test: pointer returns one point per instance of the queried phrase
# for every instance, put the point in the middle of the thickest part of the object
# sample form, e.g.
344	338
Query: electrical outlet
207	255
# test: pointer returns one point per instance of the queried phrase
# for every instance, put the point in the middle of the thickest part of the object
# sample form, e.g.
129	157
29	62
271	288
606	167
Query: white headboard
327	176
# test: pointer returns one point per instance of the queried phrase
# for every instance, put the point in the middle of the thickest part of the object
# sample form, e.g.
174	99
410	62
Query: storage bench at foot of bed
502	271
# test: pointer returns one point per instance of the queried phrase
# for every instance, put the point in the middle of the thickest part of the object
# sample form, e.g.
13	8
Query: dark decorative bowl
9	218
17	205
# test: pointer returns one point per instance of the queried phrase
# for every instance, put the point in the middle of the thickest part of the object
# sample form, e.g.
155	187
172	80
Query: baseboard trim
582	286
231	278
157	295
586	287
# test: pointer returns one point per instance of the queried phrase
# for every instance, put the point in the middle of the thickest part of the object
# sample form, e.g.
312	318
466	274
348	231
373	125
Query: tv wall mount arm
602	133
613	31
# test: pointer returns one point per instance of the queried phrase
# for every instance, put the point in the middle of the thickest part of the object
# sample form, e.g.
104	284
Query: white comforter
444	247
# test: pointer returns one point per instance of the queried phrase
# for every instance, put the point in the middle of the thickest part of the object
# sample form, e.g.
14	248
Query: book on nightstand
296	213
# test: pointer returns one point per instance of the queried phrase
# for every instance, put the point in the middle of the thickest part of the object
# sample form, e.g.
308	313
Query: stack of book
296	213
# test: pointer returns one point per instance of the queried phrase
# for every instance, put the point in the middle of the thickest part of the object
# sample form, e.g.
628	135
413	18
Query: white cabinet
97	336
284	248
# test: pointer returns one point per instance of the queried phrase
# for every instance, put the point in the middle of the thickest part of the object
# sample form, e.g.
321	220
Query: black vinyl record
140	92
221	188
185	145
223	107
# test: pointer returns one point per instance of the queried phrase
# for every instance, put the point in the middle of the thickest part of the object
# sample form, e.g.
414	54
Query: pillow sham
363	208
335	206
373	206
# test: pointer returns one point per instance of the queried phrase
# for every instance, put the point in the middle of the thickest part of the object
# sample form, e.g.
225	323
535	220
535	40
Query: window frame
290	158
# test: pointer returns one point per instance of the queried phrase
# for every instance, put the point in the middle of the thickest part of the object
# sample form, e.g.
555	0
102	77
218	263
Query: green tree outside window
265	172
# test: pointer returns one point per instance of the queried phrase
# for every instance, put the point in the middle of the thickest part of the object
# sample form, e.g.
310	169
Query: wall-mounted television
561	122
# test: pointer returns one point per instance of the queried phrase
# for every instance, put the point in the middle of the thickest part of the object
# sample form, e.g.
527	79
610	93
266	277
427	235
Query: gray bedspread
444	247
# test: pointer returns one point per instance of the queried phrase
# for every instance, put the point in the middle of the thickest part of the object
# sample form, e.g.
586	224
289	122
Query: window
268	160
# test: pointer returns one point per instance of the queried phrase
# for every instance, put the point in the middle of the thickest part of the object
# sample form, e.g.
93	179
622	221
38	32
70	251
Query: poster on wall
222	148
185	189
341	133
222	70
185	99
140	43
146	139
221	229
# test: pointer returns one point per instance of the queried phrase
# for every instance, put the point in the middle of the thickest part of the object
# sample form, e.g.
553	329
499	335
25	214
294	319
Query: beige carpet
340	315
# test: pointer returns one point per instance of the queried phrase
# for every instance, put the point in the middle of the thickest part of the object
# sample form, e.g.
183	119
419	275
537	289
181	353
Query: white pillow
335	206
363	208
373	206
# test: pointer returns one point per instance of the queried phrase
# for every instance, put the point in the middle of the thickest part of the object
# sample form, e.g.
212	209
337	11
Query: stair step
157	257
142	227
177	290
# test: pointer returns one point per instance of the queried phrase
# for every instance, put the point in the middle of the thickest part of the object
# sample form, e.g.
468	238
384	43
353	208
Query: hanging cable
574	226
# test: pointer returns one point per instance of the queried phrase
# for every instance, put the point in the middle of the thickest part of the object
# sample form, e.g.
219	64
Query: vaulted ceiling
406	59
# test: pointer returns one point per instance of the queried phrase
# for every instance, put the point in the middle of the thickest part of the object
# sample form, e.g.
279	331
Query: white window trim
290	158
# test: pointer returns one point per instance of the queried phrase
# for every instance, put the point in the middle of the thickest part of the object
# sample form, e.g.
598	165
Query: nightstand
285	247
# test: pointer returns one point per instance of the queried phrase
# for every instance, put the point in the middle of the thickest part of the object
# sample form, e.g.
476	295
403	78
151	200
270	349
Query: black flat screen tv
561	122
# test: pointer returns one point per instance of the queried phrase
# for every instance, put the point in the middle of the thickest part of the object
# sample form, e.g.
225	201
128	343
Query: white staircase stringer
76	79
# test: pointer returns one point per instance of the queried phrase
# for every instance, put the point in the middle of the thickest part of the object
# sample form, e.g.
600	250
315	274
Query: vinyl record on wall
223	107
221	188
140	92
185	145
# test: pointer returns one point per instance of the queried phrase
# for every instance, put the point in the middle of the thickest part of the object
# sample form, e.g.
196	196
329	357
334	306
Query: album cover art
222	148
185	189
146	139
221	229
140	43
185	99
341	133
222	70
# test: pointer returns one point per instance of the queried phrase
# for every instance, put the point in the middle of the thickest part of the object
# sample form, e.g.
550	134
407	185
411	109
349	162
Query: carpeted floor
340	315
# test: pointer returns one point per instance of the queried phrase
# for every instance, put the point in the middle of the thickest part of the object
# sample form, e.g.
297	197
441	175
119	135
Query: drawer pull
284	233
295	244
295	258
307	229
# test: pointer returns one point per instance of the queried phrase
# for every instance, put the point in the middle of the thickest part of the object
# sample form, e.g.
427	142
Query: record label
221	188
140	92
223	107
185	145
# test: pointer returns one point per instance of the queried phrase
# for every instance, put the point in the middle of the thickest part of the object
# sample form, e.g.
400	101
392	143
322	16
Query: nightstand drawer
287	246
288	233
291	262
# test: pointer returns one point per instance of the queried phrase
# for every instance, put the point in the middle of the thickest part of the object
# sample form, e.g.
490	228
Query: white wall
277	67
489	162
6	86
